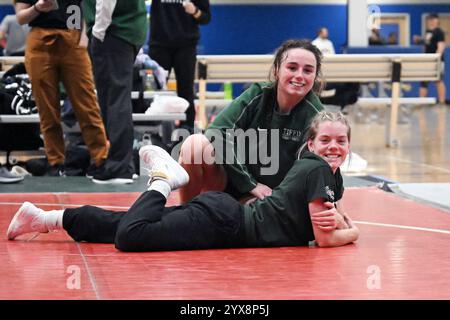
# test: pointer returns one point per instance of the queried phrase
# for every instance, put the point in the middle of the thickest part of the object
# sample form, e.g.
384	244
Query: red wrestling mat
403	253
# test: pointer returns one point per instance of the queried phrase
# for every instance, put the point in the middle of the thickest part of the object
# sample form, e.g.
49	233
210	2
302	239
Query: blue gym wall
253	29
260	29
5	9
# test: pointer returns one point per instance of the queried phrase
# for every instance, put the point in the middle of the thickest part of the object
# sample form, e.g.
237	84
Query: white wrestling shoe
27	219
161	165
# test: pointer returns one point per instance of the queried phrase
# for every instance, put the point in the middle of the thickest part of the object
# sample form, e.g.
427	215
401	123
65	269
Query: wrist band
36	9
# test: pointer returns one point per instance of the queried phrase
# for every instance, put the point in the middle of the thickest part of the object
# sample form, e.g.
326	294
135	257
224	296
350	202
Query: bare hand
261	191
83	40
247	199
189	7
326	220
45	5
341	221
417	39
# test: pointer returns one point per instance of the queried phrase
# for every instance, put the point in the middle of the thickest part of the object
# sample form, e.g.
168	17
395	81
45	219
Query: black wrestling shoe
105	177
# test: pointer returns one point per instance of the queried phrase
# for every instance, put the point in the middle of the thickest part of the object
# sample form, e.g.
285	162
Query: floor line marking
419	163
38	204
86	264
90	275
402	227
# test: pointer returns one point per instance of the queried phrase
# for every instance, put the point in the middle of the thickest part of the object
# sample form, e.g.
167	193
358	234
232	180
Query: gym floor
403	251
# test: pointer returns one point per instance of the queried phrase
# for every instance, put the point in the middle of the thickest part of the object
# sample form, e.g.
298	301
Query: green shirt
257	109
283	218
129	20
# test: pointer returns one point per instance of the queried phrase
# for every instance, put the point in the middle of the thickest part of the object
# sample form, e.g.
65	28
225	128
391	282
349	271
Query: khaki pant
53	55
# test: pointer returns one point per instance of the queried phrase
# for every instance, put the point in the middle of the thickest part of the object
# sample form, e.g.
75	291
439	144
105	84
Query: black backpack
16	99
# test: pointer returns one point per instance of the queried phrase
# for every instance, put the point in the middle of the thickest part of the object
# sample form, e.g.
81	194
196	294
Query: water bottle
228	90
150	84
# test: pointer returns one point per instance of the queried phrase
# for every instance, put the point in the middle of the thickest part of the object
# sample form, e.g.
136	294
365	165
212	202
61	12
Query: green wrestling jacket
283	219
278	137
129	20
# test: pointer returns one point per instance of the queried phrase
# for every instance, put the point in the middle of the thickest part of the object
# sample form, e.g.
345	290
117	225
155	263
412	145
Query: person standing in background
117	30
174	34
323	43
54	53
14	34
434	41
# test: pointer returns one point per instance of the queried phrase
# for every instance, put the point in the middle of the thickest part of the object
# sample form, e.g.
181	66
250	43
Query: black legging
211	220
182	59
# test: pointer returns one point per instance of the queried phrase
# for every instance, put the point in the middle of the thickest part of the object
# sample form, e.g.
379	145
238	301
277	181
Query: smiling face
295	76
331	143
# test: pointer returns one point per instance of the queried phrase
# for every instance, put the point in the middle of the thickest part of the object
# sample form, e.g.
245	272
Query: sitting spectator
375	38
392	38
334	93
323	43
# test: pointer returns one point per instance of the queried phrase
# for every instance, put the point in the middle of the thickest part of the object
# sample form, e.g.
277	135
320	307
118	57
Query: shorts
424	84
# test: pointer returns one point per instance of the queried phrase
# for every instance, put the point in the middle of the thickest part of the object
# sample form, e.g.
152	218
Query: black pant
113	61
182	60
211	220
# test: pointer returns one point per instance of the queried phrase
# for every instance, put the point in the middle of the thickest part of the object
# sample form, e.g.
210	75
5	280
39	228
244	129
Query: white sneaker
162	166
27	219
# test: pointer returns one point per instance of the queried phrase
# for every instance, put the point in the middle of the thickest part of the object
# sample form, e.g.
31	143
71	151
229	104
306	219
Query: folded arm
335	237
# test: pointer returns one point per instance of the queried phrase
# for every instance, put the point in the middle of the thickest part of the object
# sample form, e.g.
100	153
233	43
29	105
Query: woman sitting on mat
287	104
292	216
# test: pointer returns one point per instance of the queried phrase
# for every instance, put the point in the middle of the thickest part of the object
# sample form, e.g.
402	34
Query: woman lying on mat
293	215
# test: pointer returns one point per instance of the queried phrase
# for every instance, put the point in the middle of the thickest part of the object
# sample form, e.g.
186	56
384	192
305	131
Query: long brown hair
281	54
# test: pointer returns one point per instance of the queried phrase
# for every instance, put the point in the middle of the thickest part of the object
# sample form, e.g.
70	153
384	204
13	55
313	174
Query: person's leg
163	56
213	220
184	65
423	90
100	68
92	224
197	158
440	87
165	175
119	58
41	62
86	223
76	70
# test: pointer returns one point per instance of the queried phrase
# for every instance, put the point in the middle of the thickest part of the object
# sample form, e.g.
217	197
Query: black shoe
56	170
105	177
93	170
